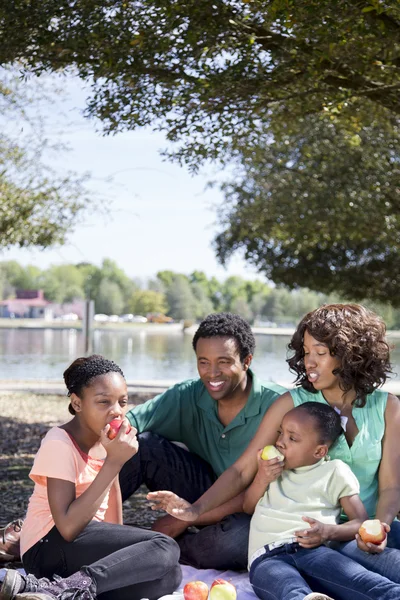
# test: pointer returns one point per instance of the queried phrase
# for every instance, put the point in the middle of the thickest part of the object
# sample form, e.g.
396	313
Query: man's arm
160	415
174	527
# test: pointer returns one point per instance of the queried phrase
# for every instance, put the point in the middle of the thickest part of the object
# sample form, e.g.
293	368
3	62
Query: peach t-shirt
58	457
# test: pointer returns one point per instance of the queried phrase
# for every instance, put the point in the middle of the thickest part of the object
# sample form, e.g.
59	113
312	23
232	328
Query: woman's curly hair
353	334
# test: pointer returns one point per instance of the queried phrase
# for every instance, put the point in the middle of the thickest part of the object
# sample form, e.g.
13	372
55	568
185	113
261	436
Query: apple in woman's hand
222	590
372	531
195	590
114	428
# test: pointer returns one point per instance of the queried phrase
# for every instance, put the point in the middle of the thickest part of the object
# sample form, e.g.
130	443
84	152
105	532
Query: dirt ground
25	419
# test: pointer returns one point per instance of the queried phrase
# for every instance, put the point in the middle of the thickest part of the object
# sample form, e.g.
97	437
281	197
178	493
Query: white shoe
317	596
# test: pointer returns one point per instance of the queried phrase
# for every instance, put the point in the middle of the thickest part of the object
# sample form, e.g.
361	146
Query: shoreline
139	390
177	328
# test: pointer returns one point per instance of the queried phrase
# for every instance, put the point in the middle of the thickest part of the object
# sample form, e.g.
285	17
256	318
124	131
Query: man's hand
373	548
170	526
314	536
173	505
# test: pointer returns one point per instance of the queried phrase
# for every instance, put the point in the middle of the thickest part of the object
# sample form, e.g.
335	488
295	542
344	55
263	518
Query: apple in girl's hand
114	428
195	590
270	452
222	590
372	531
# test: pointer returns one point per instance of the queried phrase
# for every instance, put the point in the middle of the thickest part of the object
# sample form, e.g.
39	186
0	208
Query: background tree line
180	296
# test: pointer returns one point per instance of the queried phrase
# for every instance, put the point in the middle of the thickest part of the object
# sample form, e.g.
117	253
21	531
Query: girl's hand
314	536
123	446
173	505
268	470
373	548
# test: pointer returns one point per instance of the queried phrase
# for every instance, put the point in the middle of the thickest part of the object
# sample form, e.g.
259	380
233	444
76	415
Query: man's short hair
227	325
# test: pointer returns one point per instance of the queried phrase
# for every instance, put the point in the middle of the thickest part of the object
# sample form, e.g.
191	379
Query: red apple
114	428
372	531
222	590
195	590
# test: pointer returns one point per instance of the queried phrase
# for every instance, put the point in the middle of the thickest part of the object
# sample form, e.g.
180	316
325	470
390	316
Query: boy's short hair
327	420
227	325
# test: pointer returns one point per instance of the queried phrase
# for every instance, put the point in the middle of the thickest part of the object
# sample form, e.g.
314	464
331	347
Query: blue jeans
279	575
387	563
161	465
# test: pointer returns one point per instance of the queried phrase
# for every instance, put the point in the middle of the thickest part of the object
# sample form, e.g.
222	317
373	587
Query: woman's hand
373	548
123	446
173	505
314	536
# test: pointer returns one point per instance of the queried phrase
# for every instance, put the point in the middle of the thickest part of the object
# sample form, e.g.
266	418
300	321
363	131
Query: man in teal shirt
215	417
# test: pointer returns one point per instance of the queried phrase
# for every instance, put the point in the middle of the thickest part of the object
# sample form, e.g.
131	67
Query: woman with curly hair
340	358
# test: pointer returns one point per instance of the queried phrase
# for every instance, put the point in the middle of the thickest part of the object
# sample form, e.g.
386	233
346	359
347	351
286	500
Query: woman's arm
71	514
236	478
389	471
318	533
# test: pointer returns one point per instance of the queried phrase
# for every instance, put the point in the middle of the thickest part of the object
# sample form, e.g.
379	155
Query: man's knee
223	545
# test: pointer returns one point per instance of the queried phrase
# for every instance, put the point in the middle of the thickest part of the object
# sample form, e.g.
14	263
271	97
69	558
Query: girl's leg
114	556
277	579
344	578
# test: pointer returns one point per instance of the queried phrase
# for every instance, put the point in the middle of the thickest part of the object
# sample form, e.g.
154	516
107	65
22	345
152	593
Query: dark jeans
161	465
387	563
281	574
127	563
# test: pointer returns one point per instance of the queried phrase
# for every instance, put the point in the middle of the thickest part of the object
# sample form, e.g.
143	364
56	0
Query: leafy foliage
209	72
37	207
319	207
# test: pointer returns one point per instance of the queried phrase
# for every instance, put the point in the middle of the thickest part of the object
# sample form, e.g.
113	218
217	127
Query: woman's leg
394	535
115	557
344	578
277	579
387	563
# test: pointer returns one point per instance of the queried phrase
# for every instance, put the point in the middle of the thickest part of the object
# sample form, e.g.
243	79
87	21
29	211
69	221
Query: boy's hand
268	470
314	536
373	548
173	505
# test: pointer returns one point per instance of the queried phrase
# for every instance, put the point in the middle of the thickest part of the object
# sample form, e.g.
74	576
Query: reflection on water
142	355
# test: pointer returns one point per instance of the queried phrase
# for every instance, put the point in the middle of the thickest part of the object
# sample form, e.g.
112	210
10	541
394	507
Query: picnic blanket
239	580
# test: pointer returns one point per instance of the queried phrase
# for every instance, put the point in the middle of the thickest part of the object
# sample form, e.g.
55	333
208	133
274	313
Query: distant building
29	304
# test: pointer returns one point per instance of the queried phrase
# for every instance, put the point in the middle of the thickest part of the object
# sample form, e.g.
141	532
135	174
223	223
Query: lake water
142	355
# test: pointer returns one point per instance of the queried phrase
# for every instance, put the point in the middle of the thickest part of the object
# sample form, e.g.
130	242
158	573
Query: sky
155	216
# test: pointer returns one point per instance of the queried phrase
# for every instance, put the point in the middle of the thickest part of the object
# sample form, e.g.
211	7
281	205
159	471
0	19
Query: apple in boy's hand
270	452
114	428
372	531
222	590
195	590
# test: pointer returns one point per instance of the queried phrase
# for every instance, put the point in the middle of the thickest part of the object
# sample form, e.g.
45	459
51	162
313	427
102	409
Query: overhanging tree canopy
210	71
320	207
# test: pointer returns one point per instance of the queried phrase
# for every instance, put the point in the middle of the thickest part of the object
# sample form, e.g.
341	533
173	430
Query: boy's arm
268	471
319	533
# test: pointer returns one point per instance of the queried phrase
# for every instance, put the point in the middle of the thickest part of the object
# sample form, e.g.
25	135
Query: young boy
297	503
